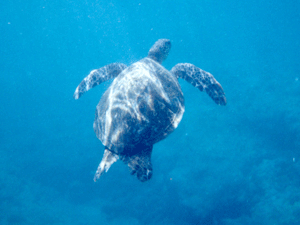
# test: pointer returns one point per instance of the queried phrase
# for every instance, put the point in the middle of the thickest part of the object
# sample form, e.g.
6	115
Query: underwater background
238	164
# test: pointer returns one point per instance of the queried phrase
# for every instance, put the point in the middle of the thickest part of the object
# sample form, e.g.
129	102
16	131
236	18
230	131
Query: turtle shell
143	105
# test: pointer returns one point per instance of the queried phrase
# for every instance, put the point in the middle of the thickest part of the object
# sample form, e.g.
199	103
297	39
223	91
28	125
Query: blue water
238	164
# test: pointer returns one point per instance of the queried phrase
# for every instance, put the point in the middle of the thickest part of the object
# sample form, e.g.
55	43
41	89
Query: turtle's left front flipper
98	76
202	80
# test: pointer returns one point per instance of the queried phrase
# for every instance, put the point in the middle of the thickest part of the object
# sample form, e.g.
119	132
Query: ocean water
238	164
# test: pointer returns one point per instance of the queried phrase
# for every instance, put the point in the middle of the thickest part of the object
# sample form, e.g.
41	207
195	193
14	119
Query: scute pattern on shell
142	106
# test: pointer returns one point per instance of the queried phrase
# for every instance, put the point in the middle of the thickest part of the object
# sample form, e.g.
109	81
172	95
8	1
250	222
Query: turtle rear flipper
97	77
202	80
141	164
108	159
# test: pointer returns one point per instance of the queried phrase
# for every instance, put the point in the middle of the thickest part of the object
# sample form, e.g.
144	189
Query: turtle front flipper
140	164
97	77
202	80
108	159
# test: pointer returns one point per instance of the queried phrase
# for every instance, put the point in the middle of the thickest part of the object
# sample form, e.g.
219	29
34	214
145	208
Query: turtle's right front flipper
202	80
97	77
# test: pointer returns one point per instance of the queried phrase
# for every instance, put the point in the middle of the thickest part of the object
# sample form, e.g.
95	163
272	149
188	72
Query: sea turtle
142	106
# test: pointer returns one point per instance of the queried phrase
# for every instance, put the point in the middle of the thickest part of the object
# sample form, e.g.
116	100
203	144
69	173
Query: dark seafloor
238	164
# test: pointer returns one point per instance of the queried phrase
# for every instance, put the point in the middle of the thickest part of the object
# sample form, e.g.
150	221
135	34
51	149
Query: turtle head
160	50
